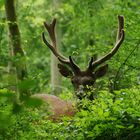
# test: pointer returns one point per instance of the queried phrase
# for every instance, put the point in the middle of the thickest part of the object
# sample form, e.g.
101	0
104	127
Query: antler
120	38
68	61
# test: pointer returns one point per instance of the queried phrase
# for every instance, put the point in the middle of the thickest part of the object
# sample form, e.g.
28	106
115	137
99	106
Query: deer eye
72	82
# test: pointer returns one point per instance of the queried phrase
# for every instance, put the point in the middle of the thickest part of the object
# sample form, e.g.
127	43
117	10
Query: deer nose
80	91
81	87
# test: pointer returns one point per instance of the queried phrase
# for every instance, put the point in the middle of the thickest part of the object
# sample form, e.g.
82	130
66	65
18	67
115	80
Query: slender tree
55	75
15	39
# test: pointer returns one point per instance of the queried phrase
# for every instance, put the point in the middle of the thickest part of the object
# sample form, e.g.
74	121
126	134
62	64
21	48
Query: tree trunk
15	39
55	75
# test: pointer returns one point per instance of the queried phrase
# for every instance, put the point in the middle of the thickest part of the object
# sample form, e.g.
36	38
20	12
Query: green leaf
17	108
131	126
120	126
1	3
26	84
33	102
5	120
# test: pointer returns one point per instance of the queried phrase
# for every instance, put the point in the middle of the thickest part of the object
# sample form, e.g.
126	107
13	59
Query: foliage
88	27
109	116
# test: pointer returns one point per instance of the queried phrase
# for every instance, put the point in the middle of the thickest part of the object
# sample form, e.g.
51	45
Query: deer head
82	80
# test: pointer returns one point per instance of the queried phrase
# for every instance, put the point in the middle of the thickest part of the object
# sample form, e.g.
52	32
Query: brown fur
57	106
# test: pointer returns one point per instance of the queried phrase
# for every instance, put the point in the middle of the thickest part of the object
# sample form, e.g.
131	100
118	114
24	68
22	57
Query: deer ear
64	71
101	71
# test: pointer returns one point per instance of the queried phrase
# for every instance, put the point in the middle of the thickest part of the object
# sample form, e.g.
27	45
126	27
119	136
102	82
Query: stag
80	79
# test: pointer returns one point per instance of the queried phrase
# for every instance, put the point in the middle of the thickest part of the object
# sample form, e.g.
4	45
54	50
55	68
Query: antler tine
120	38
51	30
89	68
120	26
74	66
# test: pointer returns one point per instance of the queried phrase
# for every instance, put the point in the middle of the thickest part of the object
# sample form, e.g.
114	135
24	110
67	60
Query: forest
69	70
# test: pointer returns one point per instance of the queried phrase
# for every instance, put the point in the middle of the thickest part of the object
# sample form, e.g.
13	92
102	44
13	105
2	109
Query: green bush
108	117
